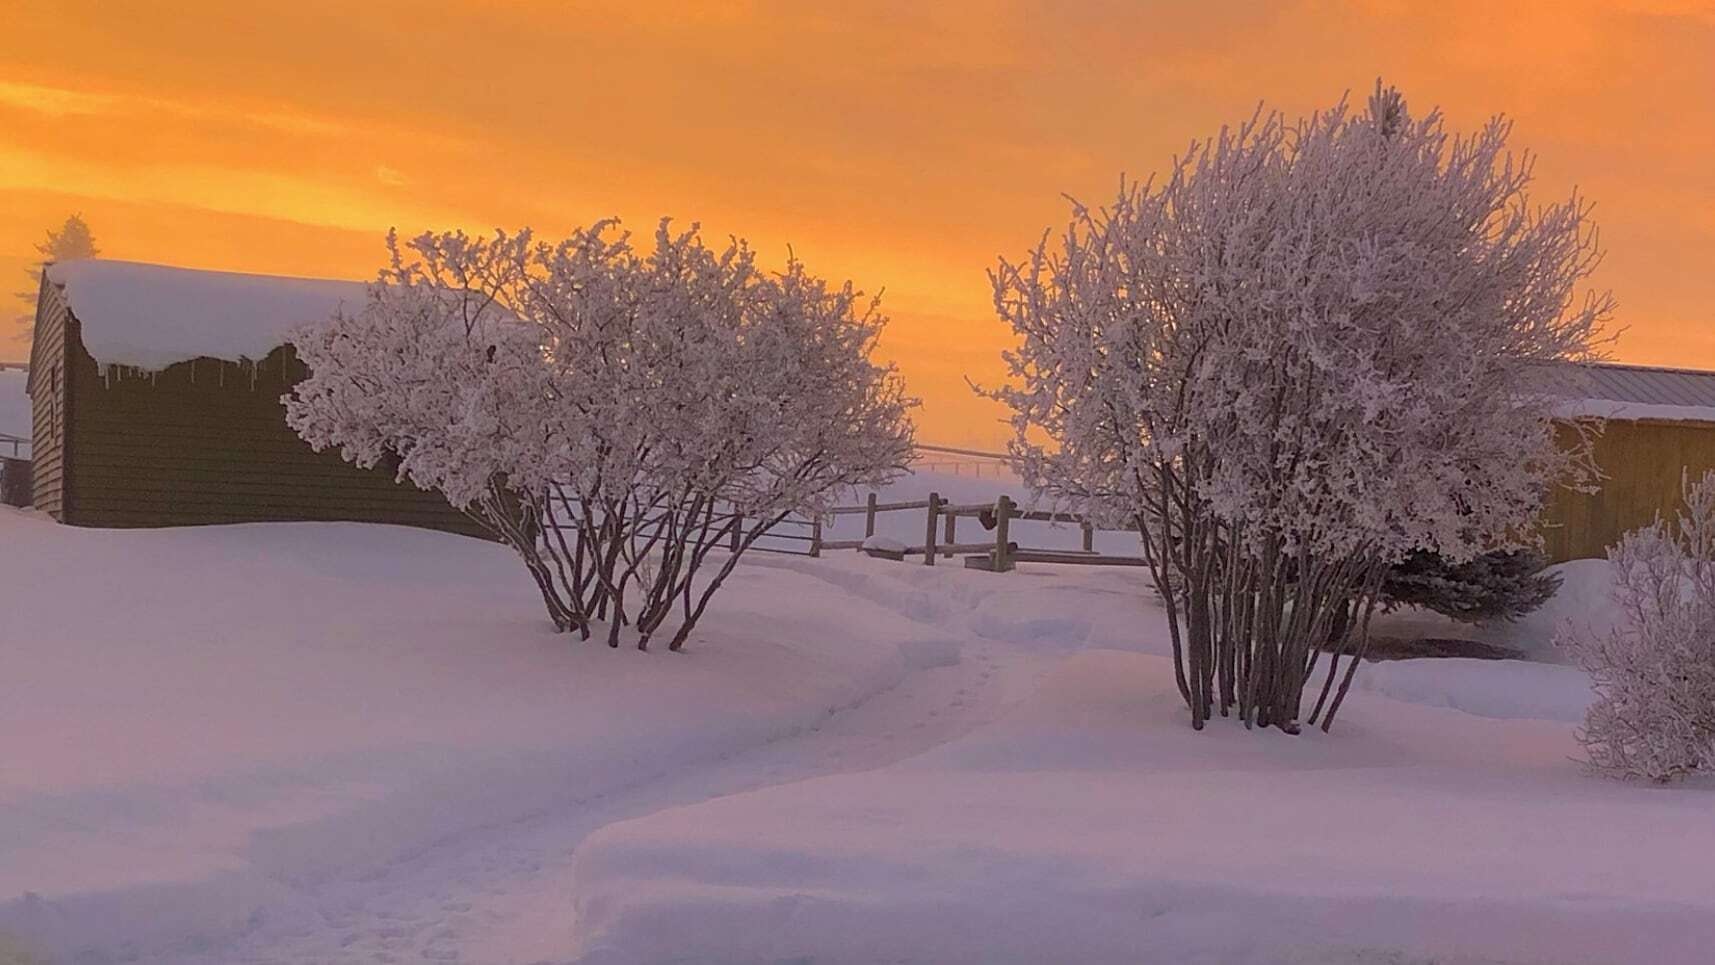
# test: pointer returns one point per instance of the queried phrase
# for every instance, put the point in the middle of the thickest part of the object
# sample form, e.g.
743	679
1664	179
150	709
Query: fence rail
940	528
998	553
956	451
959	461
940	534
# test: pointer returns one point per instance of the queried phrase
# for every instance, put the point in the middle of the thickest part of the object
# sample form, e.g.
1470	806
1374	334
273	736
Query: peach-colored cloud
61	102
262	193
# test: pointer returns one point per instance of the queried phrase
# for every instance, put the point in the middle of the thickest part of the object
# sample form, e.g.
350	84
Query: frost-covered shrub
1498	585
619	418
1303	354
1654	674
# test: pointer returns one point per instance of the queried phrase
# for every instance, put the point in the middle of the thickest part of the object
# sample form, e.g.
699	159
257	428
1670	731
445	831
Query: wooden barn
155	401
1658	423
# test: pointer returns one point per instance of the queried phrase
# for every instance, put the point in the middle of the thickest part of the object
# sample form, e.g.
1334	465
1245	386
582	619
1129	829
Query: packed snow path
505	894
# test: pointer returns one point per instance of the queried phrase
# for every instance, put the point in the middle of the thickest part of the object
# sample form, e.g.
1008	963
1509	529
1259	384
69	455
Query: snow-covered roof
151	316
1613	391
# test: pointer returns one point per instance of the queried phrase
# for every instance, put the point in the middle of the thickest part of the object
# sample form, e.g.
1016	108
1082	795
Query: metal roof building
1659	431
1615	391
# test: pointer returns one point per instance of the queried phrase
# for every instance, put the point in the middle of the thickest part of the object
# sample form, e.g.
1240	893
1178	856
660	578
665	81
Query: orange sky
902	144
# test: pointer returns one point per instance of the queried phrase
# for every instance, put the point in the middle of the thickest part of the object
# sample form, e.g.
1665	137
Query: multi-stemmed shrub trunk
644	562
1250	618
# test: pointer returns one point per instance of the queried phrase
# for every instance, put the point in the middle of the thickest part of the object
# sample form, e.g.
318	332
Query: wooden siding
1643	461
46	386
206	441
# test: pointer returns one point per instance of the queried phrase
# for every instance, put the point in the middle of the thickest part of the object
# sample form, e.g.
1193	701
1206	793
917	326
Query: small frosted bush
1654	674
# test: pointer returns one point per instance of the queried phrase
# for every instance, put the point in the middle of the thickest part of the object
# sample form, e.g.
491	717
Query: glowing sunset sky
904	145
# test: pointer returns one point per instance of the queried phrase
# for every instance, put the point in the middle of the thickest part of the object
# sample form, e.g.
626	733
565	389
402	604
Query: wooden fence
998	553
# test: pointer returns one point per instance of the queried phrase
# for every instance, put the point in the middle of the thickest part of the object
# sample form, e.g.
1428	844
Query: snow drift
1090	826
197	722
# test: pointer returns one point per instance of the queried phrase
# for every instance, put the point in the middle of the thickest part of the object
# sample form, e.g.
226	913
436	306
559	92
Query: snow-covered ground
199	725
346	743
1088	825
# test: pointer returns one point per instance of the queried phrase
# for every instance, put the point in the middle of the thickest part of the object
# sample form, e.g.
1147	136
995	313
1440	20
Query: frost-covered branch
1305	353
616	416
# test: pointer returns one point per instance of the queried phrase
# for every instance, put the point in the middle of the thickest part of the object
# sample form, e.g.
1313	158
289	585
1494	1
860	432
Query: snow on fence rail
999	554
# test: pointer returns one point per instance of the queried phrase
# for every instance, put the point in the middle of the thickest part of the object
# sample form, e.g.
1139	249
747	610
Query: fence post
737	530
929	539
1089	536
869	517
1002	516
816	537
947	537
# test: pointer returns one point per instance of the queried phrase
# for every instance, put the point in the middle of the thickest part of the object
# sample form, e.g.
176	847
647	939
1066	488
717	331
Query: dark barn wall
47	390
1643	461
207	442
